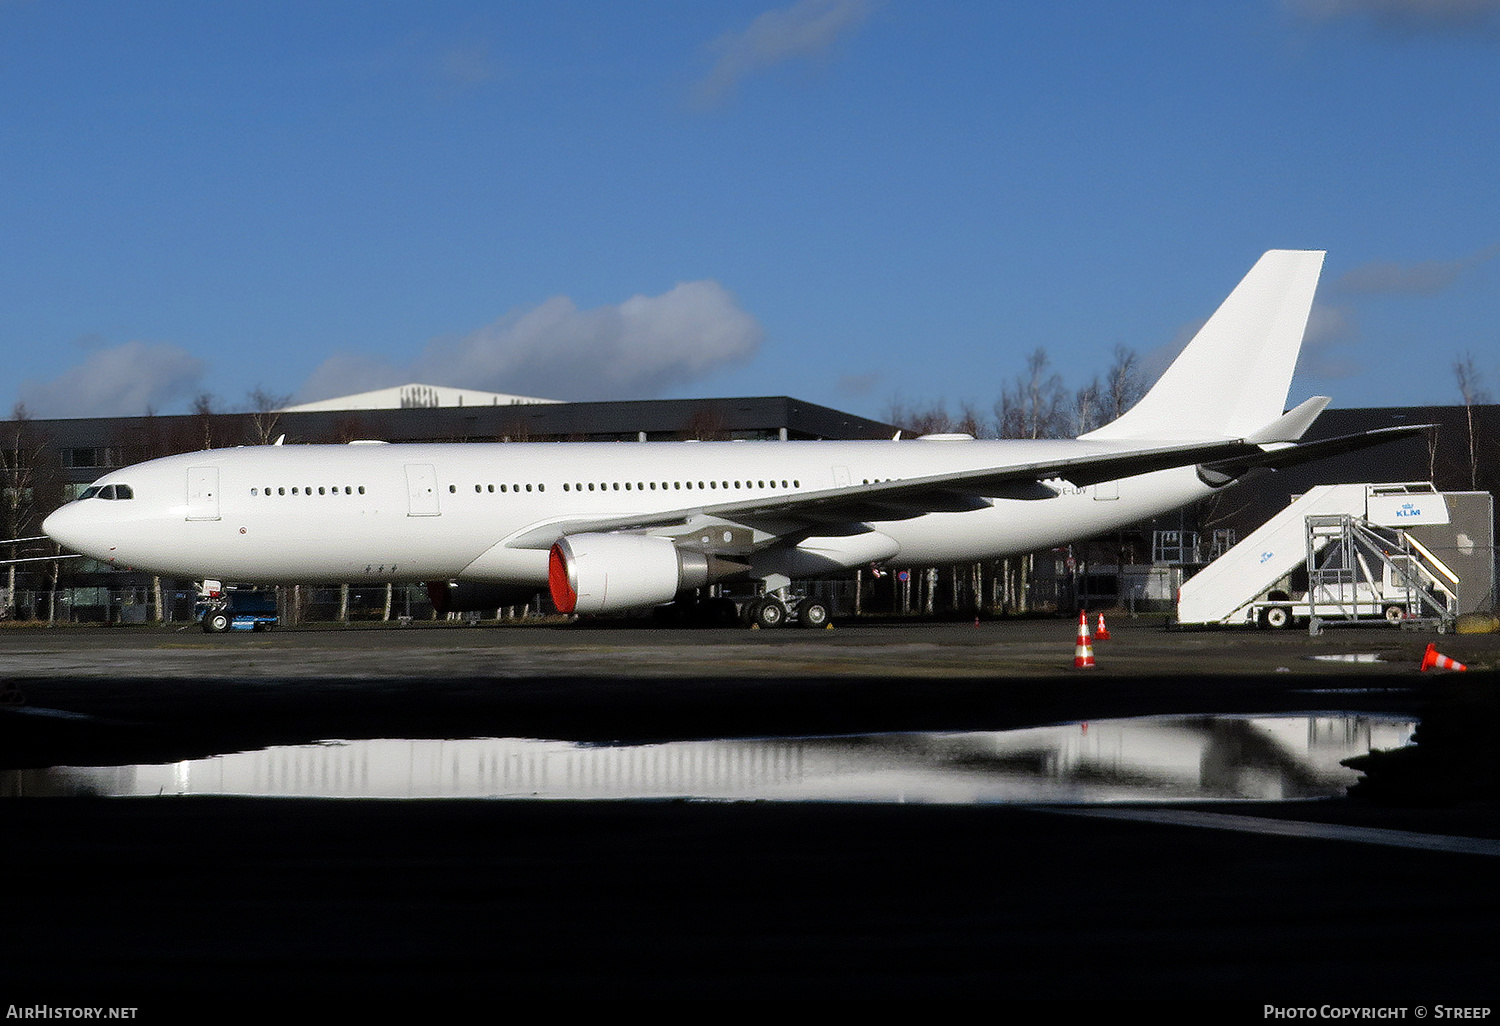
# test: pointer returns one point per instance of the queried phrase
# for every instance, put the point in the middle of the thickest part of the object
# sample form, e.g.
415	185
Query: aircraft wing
964	490
909	497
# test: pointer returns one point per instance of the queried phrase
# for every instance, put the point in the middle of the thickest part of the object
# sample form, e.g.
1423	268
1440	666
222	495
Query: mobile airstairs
1338	554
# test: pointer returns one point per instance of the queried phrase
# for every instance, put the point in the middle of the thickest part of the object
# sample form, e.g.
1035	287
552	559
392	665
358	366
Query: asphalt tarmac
207	904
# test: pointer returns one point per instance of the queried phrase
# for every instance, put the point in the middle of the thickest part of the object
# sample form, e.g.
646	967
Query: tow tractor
234	608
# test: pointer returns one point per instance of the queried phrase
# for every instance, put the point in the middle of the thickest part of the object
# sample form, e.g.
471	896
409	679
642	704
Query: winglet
1232	379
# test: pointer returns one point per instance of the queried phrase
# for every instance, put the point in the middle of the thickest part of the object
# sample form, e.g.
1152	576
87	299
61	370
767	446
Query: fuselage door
203	493
421	490
841	477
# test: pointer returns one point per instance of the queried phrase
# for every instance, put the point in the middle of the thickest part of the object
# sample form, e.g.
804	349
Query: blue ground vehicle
233	609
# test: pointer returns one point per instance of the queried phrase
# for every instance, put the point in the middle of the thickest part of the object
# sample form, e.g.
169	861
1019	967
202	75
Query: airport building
46	462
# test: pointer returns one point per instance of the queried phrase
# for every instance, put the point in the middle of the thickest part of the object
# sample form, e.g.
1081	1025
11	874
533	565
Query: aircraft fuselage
419	512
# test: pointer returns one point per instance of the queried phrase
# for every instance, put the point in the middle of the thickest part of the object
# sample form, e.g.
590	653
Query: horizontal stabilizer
1293	424
1306	452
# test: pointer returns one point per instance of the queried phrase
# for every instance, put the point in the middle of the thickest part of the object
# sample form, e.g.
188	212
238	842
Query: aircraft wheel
770	613
1278	617
813	615
1395	614
216	623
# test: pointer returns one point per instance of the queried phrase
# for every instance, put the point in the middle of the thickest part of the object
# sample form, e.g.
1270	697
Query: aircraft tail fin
1232	379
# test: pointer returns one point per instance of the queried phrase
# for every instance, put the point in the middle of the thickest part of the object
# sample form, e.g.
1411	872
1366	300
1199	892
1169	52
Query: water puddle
1155	759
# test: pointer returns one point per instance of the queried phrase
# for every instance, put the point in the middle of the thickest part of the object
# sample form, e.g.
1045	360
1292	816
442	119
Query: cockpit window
111	491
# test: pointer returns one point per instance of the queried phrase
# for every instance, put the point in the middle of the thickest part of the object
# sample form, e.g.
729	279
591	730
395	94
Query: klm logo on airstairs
1409	510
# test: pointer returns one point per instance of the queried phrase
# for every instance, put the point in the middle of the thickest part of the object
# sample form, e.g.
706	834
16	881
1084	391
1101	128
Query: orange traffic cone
1083	652
1432	657
1103	632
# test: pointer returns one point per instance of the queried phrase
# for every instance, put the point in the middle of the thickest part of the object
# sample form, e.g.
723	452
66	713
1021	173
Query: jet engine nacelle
605	573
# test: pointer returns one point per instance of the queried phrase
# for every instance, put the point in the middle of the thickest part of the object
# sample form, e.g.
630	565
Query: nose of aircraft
69	526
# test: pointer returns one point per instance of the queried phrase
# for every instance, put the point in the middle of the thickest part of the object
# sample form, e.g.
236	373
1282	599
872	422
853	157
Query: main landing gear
776	609
769	611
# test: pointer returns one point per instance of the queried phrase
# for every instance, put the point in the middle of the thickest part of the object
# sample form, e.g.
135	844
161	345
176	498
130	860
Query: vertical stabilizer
1233	377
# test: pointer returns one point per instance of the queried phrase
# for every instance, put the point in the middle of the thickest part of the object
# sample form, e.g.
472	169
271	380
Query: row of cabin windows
324	490
604	486
668	486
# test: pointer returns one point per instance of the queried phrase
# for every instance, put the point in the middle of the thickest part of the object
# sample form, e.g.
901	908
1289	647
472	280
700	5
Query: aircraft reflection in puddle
1121	760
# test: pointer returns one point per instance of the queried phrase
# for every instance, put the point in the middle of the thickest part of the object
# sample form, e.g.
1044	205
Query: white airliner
618	526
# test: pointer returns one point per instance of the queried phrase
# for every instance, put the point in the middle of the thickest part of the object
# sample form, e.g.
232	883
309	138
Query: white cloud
799	32
1406	17
468	65
1389	278
1331	330
858	385
635	349
124	380
1428	278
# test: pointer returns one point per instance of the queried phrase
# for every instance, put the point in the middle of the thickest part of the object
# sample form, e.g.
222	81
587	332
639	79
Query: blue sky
844	201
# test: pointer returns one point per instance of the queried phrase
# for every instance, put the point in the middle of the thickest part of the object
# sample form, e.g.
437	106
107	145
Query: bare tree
969	420
1123	385
706	423
31	486
1035	406
932	419
1088	404
203	413
1470	387
265	412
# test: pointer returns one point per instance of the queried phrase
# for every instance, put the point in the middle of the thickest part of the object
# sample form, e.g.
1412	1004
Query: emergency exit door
203	493
421	490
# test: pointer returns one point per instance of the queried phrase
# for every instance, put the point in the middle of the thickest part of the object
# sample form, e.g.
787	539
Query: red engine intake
605	573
